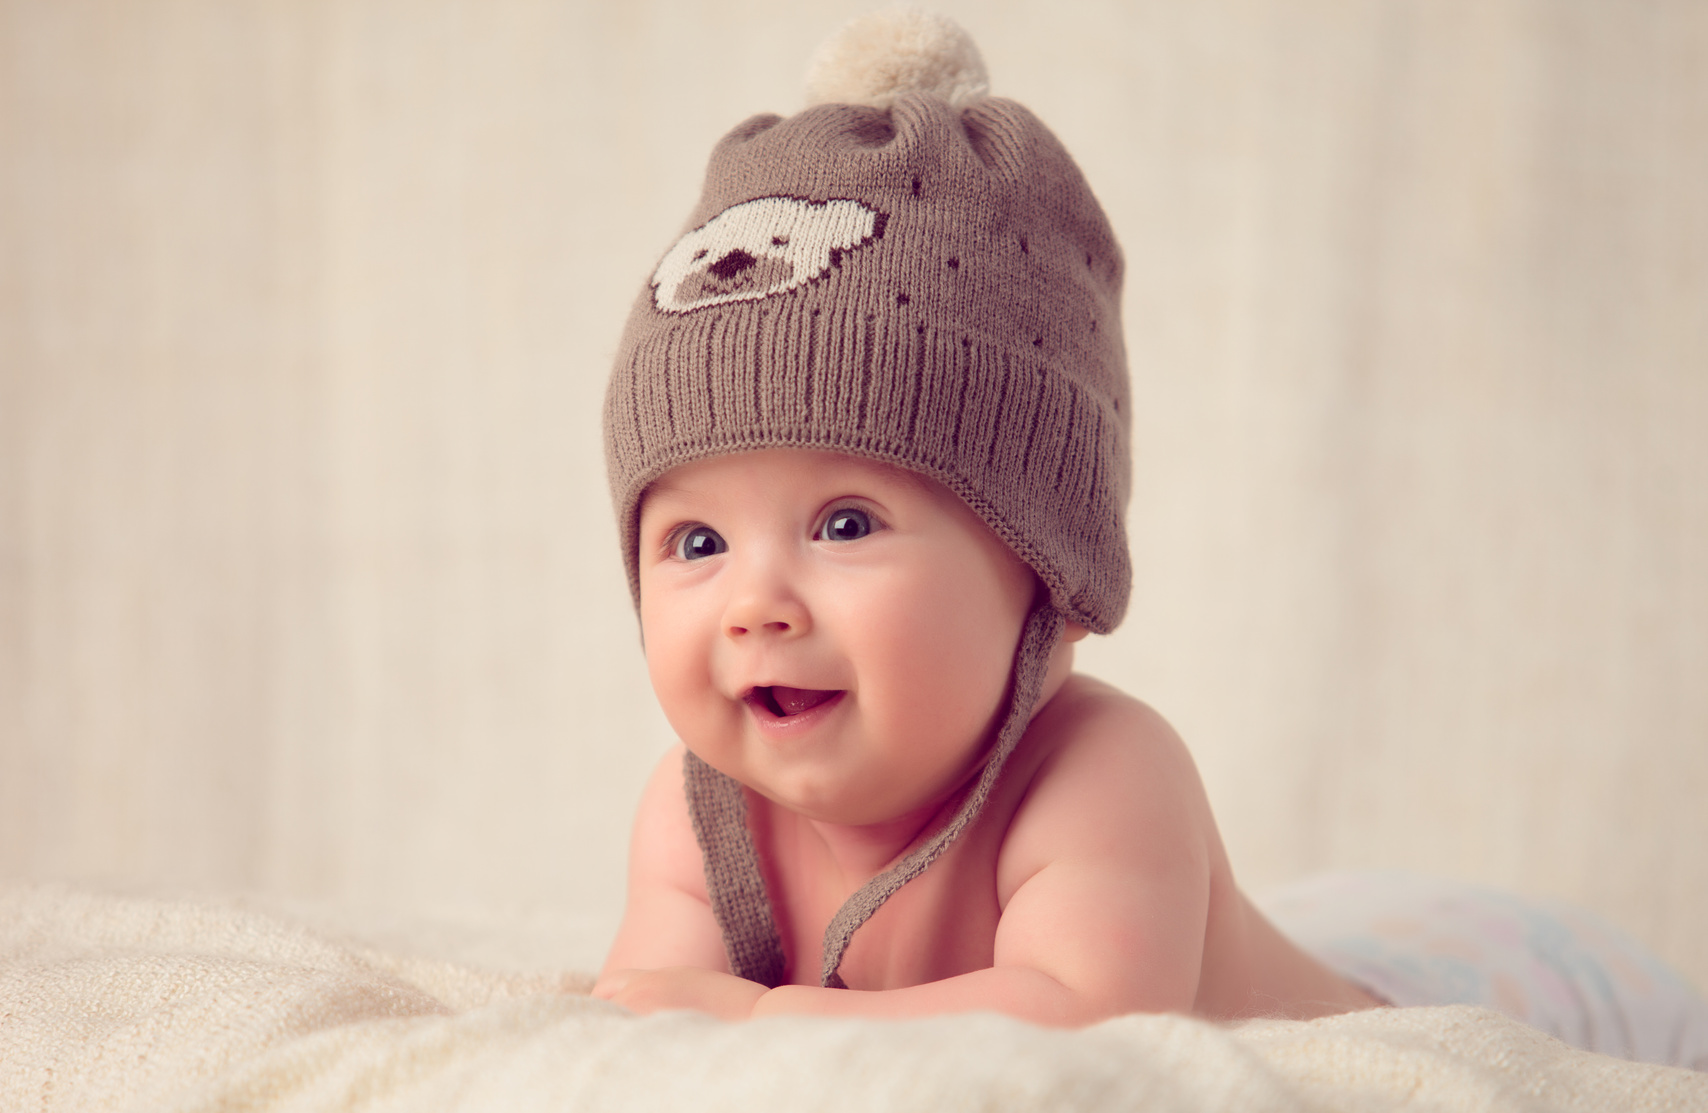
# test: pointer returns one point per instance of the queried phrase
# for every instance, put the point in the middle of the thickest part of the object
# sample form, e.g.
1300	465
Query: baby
867	437
836	634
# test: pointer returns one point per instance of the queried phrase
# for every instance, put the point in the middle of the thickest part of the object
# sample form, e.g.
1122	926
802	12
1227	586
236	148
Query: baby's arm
668	920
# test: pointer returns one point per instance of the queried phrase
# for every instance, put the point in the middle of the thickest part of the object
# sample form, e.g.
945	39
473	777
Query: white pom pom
877	57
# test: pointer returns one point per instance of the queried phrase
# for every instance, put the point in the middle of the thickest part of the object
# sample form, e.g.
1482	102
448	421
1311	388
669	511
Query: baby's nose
768	627
766	613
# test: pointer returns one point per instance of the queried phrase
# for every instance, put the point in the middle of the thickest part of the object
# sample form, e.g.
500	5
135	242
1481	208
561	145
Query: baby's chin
841	778
845	805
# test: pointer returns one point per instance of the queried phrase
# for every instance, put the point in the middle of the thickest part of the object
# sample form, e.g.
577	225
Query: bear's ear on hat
876	58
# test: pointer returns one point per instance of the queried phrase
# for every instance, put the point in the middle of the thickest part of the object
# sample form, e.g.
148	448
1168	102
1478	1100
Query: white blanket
110	1002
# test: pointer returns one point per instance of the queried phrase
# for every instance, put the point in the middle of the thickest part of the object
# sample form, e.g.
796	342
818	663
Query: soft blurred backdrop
308	582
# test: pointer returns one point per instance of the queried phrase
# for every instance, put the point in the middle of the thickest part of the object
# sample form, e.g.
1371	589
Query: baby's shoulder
1094	729
1108	776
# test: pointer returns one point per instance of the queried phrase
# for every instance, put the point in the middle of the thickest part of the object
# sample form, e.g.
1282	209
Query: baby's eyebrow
905	475
659	486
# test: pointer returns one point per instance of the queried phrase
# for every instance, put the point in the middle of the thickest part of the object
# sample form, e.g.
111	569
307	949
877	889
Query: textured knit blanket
110	1002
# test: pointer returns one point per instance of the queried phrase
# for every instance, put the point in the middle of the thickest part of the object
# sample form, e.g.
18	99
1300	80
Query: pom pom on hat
877	57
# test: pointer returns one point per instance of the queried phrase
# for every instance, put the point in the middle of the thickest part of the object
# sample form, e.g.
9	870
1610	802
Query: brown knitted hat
916	280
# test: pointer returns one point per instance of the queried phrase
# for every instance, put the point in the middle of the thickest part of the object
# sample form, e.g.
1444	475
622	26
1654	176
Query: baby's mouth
783	702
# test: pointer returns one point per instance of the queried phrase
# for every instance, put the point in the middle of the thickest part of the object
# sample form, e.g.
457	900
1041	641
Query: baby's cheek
946	677
680	678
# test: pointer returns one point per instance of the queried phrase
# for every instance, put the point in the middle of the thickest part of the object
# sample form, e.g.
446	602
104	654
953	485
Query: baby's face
835	633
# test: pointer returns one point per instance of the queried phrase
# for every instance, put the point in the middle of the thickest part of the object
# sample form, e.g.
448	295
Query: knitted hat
917	274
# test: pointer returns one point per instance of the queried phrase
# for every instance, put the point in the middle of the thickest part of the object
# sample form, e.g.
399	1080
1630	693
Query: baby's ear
1073	631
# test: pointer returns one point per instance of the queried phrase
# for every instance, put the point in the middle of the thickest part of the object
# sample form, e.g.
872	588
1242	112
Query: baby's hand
681	987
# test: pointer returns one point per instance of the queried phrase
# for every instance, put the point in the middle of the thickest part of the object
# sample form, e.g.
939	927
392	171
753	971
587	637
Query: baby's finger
613	982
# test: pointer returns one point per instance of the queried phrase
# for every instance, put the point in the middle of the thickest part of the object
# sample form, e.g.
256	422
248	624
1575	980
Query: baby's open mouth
783	702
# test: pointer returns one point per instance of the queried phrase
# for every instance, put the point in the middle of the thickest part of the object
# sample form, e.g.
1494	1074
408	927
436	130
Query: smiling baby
867	435
868	443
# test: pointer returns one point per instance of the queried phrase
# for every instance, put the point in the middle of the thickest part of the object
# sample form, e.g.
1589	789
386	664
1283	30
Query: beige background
307	582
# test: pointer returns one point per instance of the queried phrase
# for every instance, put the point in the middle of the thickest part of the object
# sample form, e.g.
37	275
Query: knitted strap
718	810
1031	663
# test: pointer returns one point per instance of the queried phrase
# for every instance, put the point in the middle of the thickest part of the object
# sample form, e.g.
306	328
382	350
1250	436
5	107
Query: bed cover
148	1002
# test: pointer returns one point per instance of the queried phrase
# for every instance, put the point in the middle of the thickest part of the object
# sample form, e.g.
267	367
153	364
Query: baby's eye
847	524
701	541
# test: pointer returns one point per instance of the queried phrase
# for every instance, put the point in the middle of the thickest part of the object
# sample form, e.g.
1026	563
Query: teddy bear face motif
757	248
